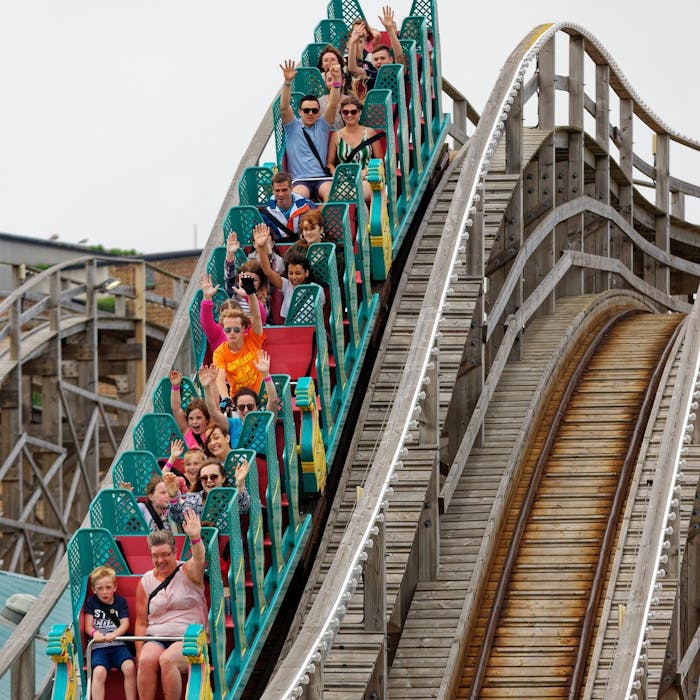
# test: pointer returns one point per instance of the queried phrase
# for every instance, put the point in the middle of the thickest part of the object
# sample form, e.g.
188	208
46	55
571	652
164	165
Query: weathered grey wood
23	674
655	524
545	103
663	235
313	690
560	214
513	222
516	322
601	244
429	523
576	93
570	235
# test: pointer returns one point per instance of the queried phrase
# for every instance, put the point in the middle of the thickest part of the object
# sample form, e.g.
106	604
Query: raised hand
207	287
170	481
232	246
207	374
177	448
191	524
175	377
262	363
387	18
336	75
288	70
241	473
262	236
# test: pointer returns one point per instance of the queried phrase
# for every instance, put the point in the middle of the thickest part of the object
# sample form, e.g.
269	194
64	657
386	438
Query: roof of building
16	583
87	250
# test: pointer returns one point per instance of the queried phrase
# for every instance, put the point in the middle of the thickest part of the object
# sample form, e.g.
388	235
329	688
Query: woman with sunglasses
211	475
354	143
243	401
169	597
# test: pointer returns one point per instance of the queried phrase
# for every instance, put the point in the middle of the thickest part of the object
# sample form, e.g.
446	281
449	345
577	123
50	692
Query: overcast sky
123	121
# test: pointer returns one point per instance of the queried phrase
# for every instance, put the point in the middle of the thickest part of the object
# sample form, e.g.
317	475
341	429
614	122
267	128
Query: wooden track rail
629	549
556	529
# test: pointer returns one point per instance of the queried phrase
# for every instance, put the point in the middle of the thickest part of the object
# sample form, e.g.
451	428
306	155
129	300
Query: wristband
337	85
196	540
267	379
175	387
287	84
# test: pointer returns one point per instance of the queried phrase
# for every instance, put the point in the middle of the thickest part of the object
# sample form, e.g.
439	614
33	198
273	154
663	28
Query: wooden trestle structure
470	550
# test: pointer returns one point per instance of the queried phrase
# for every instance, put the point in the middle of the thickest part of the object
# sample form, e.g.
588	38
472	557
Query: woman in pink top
167	613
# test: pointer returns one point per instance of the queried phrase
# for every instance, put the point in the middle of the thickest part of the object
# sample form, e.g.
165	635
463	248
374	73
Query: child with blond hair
106	618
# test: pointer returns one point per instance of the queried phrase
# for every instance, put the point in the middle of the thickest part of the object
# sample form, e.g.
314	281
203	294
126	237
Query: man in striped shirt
283	211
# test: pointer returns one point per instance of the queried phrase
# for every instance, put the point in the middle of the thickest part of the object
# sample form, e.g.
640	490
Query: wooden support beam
375	609
545	103
313	690
621	248
663	222
574	284
429	522
513	223
601	243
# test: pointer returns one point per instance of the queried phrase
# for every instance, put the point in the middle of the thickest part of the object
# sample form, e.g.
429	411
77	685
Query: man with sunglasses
307	135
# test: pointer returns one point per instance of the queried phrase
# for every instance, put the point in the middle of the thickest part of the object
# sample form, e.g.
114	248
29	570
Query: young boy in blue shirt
106	618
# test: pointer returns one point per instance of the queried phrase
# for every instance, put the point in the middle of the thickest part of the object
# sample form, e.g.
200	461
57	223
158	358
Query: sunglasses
245	407
349	111
232	329
310	110
209	477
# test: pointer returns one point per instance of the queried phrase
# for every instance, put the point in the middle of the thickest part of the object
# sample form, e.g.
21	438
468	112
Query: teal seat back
135	467
154	433
162	393
117	510
242	219
255	186
332	31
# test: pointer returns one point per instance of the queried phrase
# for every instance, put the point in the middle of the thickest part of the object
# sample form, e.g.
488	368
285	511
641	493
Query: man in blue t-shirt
307	135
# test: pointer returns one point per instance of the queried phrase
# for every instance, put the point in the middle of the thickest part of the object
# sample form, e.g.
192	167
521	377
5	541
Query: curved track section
631	551
543	588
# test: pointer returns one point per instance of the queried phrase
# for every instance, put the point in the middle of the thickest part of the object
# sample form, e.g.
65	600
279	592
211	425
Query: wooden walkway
353	656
